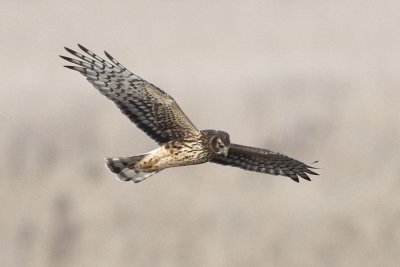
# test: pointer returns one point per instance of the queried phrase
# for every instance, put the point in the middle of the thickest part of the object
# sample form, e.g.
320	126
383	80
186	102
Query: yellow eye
220	144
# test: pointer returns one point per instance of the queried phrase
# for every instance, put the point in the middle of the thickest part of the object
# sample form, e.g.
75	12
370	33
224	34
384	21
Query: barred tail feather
125	168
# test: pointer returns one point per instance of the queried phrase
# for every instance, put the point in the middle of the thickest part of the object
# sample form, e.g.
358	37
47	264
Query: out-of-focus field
317	80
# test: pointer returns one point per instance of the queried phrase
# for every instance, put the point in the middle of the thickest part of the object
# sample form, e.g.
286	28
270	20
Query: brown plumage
160	117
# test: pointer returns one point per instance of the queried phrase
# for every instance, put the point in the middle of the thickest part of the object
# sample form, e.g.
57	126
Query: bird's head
220	143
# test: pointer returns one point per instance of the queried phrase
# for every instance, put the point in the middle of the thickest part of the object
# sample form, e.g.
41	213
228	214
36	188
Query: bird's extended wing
265	161
150	108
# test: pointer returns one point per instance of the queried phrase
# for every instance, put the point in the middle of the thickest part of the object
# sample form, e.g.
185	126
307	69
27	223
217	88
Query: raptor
160	117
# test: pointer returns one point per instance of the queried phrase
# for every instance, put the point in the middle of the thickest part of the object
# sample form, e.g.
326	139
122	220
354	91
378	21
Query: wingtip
64	57
69	50
108	55
311	172
312	163
79	69
295	178
82	47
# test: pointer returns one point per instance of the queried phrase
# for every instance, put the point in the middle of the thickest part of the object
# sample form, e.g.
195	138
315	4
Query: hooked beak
226	150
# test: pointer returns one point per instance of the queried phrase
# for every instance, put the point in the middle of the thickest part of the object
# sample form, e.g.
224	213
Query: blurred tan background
317	80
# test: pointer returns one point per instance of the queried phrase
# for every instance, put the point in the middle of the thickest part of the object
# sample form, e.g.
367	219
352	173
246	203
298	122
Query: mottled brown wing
150	108
265	161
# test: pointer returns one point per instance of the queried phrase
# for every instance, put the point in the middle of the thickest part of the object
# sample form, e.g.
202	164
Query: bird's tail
125	168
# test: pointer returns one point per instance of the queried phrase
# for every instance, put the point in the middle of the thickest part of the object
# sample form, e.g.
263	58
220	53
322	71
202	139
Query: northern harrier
159	116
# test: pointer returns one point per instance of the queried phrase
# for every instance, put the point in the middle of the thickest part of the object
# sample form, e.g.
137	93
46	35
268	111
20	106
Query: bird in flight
160	117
